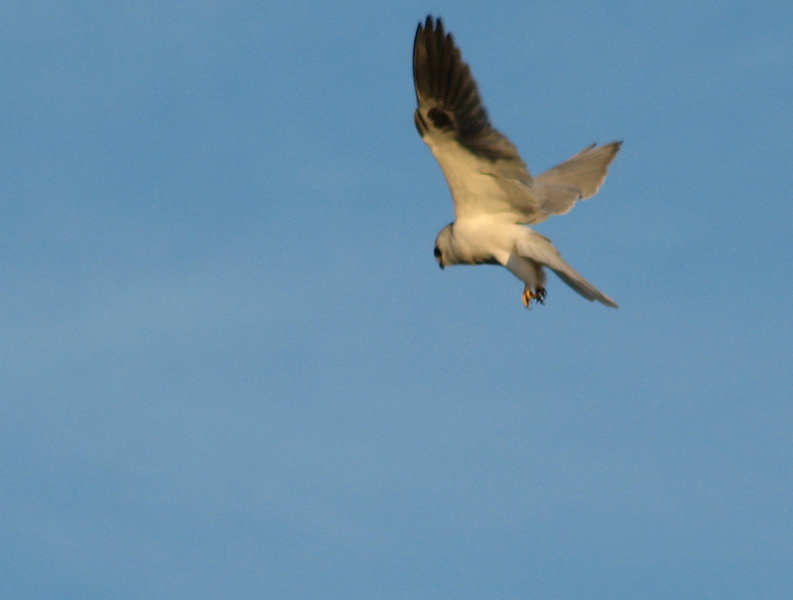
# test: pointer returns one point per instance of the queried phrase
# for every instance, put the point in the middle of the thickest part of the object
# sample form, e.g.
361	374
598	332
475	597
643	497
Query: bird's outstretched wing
482	167
577	178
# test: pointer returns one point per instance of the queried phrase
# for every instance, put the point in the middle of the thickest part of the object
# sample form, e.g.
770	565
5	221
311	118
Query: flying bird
494	195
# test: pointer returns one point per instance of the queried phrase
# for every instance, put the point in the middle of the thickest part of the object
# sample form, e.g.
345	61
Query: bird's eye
437	252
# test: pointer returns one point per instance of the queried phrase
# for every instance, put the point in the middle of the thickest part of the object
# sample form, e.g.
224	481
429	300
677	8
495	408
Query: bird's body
482	239
494	194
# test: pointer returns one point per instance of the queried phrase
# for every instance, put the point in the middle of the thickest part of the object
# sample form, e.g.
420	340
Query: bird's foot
537	294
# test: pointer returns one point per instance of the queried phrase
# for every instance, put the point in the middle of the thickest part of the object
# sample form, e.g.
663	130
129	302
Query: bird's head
443	244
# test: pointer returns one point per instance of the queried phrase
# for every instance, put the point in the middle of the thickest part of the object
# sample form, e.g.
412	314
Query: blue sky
232	368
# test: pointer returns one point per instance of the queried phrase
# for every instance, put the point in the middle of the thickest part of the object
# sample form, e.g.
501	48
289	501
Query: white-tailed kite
494	194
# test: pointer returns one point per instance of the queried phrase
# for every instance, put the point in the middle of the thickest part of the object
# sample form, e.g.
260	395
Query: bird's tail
540	249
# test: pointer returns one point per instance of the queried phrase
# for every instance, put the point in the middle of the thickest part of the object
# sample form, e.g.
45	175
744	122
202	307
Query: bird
495	197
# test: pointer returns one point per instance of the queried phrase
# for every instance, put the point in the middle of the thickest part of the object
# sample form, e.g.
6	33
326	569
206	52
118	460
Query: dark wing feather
448	99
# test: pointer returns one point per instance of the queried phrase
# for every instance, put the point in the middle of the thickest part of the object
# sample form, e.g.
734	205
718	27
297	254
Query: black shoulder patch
441	119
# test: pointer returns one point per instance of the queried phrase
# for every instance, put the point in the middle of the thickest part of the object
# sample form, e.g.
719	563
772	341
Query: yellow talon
526	297
537	295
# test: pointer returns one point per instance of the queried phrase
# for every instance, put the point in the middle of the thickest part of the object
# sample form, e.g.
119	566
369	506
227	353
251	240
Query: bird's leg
538	295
